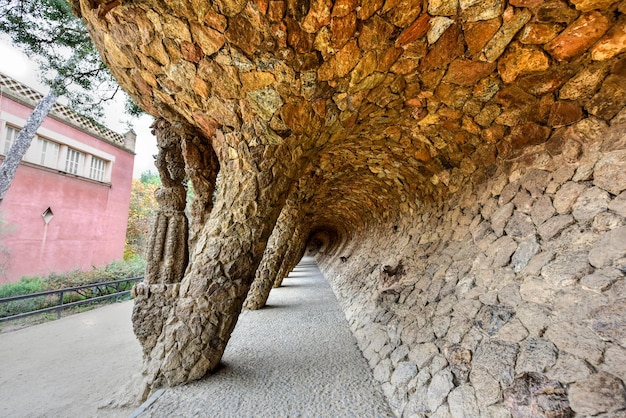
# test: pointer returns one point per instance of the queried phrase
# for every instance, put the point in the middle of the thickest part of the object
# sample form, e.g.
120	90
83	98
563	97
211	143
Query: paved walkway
294	358
69	367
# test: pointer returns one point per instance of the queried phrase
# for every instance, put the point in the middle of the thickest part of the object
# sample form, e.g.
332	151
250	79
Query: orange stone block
342	29
519	61
423	155
343	7
528	134
216	21
447	48
262	5
564	113
612	44
579	36
191	52
417	29
526	3
347	58
539	33
477	34
276	11
467	73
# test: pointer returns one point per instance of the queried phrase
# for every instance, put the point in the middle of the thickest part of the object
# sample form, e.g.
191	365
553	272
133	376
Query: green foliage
142	206
133	109
50	34
148	177
114	271
25	286
28	285
27	305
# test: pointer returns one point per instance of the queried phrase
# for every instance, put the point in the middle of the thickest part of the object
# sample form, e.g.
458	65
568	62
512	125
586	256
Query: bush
116	270
20	306
27	285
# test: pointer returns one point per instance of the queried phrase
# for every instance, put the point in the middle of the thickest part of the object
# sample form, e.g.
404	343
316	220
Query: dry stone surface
457	167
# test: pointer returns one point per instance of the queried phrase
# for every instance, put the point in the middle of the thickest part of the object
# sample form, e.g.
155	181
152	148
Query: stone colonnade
183	315
461	162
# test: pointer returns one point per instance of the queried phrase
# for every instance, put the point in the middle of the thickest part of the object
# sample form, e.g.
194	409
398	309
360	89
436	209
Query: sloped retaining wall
507	298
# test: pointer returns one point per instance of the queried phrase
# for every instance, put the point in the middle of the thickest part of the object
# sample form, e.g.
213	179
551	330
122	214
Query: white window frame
73	159
11	131
97	168
34	152
47	152
61	139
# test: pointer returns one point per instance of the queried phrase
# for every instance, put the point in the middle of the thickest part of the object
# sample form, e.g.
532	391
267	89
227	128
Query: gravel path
69	367
294	358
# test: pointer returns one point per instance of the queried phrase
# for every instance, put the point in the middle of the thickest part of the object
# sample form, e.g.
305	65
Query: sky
16	65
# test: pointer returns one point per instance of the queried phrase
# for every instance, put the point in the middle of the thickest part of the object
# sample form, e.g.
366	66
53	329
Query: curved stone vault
458	167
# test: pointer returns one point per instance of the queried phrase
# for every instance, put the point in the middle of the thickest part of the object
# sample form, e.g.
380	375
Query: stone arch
471	155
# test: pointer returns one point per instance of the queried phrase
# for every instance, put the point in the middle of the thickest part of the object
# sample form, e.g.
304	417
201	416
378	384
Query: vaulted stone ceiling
393	101
330	118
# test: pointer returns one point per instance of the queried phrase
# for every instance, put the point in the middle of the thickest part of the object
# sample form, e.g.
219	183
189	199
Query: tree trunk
23	141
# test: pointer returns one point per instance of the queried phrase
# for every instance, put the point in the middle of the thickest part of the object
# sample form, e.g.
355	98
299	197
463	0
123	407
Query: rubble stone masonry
508	297
458	167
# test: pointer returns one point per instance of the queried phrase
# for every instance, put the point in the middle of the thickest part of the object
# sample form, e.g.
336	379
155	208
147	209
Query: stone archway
471	154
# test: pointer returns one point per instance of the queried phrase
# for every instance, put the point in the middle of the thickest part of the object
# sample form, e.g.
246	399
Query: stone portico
458	167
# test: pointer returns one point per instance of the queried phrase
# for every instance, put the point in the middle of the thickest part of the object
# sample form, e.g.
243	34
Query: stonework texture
511	297
458	168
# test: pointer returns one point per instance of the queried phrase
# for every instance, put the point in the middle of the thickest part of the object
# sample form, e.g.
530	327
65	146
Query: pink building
68	205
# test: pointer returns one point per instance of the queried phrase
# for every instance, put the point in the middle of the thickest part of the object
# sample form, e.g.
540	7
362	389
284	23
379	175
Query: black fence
57	300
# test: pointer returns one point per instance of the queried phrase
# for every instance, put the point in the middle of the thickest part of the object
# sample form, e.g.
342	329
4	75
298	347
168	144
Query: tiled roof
27	94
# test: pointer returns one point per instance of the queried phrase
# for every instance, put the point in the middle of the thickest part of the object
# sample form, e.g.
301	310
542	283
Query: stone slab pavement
294	358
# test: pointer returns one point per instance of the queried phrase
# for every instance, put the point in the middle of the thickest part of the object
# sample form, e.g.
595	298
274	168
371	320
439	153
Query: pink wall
89	224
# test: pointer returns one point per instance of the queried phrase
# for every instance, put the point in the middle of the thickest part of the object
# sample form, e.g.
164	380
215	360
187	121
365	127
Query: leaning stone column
272	259
223	264
202	167
293	255
167	251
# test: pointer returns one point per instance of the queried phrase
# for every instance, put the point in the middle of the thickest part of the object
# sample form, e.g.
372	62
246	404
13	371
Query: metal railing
102	288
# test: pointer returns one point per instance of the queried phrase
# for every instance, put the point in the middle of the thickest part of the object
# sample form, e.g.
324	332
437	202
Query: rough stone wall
507	298
458	164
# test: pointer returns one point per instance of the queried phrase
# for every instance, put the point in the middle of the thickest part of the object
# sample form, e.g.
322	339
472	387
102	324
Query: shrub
114	271
25	286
